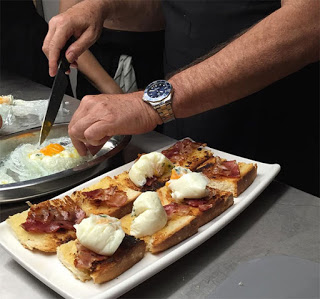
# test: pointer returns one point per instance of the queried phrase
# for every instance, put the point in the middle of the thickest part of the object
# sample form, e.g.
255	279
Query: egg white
149	165
149	215
27	162
100	233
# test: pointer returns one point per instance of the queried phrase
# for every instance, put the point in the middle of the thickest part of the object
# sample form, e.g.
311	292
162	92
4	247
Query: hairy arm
282	43
85	20
134	15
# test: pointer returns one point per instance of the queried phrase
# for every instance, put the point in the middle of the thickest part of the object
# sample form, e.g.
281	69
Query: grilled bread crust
129	253
248	173
46	242
102	208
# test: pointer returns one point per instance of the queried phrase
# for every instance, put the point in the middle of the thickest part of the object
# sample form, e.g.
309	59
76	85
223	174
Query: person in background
245	77
22	33
116	62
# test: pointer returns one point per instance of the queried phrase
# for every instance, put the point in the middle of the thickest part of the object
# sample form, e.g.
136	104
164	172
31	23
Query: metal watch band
165	111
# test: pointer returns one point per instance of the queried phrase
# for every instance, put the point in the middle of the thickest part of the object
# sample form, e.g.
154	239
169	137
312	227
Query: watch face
158	90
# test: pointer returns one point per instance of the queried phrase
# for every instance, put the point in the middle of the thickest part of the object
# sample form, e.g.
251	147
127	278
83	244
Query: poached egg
100	233
149	215
149	165
187	184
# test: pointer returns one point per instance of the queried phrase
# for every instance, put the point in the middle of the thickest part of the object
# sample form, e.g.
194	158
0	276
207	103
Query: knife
58	90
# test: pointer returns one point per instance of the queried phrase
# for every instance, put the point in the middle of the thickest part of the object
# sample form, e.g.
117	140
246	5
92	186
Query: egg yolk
175	175
52	149
3	100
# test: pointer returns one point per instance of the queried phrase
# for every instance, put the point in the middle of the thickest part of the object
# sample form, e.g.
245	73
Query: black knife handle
65	65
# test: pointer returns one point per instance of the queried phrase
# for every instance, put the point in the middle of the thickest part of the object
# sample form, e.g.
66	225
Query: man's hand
102	116
84	21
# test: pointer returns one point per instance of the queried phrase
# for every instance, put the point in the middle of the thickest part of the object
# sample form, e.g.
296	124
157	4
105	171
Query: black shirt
279	124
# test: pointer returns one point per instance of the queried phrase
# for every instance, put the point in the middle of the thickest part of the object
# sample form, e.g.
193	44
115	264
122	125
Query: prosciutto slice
221	168
86	258
202	204
175	208
112	196
180	150
53	215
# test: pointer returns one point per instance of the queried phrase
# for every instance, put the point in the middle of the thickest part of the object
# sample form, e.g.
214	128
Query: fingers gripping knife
58	90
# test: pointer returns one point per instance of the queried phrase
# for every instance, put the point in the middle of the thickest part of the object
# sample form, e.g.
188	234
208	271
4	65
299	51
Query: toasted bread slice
124	180
92	206
185	221
236	185
205	209
130	252
187	153
47	242
66	254
176	230
219	203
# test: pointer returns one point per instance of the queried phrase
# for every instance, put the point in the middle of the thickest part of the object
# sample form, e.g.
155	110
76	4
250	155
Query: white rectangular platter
48	269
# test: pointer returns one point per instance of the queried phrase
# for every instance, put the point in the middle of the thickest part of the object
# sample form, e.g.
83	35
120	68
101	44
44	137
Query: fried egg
31	161
5	179
6	100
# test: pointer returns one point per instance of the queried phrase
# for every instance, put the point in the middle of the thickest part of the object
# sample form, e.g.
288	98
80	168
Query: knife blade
58	90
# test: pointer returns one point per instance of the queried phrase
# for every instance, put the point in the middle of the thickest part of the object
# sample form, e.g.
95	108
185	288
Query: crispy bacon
112	196
152	184
180	150
202	204
195	202
86	258
175	208
221	168
151	180
205	207
53	215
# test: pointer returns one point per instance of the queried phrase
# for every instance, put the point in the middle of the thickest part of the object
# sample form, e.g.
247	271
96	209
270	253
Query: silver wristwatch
159	95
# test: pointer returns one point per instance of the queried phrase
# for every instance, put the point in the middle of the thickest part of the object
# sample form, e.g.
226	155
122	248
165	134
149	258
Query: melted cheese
149	214
189	185
100	233
149	165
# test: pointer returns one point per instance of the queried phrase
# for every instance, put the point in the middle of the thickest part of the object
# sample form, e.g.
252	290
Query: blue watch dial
158	90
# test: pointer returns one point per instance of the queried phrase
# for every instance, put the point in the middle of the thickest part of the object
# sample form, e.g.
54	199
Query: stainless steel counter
282	222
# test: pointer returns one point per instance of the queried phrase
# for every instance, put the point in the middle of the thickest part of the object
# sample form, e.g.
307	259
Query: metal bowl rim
66	173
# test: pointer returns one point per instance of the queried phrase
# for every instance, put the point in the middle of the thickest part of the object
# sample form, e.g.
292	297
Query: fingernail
51	72
70	56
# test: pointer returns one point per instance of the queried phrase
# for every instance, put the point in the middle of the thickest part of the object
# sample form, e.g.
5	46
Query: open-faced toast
86	264
187	153
230	176
109	196
177	229
184	218
183	213
47	225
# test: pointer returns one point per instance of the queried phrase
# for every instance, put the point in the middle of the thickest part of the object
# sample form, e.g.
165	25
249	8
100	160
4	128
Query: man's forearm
279	45
133	15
